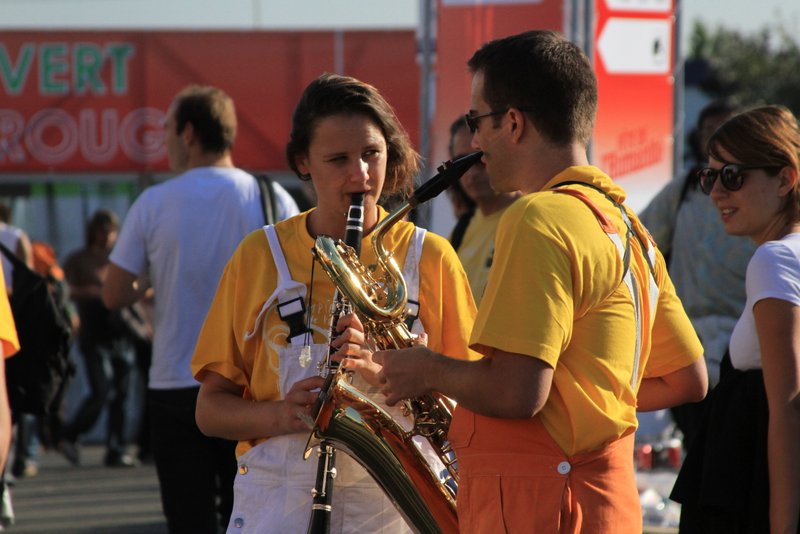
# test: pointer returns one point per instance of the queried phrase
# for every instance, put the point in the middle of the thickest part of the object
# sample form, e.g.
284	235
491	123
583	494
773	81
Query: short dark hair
716	108
332	94
212	113
543	74
102	220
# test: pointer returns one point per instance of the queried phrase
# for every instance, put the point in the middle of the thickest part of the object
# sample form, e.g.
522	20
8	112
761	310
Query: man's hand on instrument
298	403
403	374
353	350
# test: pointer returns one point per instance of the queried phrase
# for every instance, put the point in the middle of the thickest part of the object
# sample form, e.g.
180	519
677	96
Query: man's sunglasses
473	120
731	176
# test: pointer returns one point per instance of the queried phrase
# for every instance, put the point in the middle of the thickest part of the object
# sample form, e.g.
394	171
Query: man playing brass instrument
579	324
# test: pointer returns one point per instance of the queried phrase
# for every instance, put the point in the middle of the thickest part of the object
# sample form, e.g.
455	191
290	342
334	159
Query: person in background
706	264
107	350
179	235
463	210
34	431
742	473
16	240
250	359
474	242
579	324
9	345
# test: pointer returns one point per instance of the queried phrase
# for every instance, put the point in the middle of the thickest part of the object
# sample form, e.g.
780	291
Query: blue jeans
109	370
195	472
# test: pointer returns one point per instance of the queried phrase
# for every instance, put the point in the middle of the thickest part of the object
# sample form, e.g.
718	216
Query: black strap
457	236
293	313
413	313
268	201
14	259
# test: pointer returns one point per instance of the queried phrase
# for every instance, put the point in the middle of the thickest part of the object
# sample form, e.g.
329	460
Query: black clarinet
320	520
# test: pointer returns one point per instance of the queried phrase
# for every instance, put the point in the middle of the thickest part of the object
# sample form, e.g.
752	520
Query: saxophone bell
351	421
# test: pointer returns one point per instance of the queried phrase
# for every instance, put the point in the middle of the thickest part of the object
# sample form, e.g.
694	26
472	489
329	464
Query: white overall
272	490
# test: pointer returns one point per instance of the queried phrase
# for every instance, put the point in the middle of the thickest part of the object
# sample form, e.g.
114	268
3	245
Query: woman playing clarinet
262	350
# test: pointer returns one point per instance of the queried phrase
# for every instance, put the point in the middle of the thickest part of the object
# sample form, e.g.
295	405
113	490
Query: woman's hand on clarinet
298	402
352	349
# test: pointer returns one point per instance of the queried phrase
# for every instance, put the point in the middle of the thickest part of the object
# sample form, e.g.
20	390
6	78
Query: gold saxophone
355	424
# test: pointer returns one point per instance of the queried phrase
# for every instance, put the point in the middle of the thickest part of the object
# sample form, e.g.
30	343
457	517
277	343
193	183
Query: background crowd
710	268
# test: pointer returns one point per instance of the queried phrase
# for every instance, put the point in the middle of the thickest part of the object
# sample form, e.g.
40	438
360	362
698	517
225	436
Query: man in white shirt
179	235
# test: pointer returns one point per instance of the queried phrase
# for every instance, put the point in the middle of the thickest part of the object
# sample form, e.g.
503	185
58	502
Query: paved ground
91	498
99	500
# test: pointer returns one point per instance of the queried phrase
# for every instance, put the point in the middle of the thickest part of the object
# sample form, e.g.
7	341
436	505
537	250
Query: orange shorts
514	478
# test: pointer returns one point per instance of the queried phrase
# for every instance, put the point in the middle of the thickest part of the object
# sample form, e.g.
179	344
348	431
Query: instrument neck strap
605	222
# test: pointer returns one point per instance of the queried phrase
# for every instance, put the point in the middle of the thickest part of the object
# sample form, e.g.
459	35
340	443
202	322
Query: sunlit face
751	211
476	180
176	151
489	138
347	155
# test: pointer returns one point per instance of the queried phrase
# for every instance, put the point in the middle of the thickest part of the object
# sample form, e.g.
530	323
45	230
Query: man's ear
517	123
302	164
187	135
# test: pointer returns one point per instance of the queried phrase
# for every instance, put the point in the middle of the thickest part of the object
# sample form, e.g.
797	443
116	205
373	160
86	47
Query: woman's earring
305	177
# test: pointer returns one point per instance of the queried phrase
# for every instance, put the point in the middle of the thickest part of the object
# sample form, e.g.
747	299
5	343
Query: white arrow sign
642	6
636	46
487	2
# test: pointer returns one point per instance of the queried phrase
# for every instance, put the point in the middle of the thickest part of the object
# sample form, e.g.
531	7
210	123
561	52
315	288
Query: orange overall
559	293
515	478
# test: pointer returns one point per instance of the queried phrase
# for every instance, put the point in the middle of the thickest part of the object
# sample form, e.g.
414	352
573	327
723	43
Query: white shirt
181	234
773	272
9	236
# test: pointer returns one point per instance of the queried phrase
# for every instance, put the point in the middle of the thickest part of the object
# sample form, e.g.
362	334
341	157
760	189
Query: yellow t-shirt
555	293
8	329
446	307
477	249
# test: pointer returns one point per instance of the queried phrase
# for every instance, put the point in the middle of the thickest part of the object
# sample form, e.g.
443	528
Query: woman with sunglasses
743	472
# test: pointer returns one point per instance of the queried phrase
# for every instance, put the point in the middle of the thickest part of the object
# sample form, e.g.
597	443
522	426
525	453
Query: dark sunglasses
731	176
473	120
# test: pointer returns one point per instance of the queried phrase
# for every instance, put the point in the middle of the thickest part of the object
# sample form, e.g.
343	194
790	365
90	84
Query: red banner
96	101
634	65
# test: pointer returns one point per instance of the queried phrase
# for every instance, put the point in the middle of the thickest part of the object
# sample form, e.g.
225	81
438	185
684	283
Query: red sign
462	28
95	101
633	63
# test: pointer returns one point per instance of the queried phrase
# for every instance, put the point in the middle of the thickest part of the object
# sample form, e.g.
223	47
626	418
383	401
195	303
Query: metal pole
587	22
425	47
679	80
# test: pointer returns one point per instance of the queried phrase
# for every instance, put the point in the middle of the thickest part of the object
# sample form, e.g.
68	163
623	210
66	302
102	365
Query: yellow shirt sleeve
8	329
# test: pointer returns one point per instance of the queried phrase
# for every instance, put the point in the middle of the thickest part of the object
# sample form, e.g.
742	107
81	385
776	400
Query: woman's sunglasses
731	176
